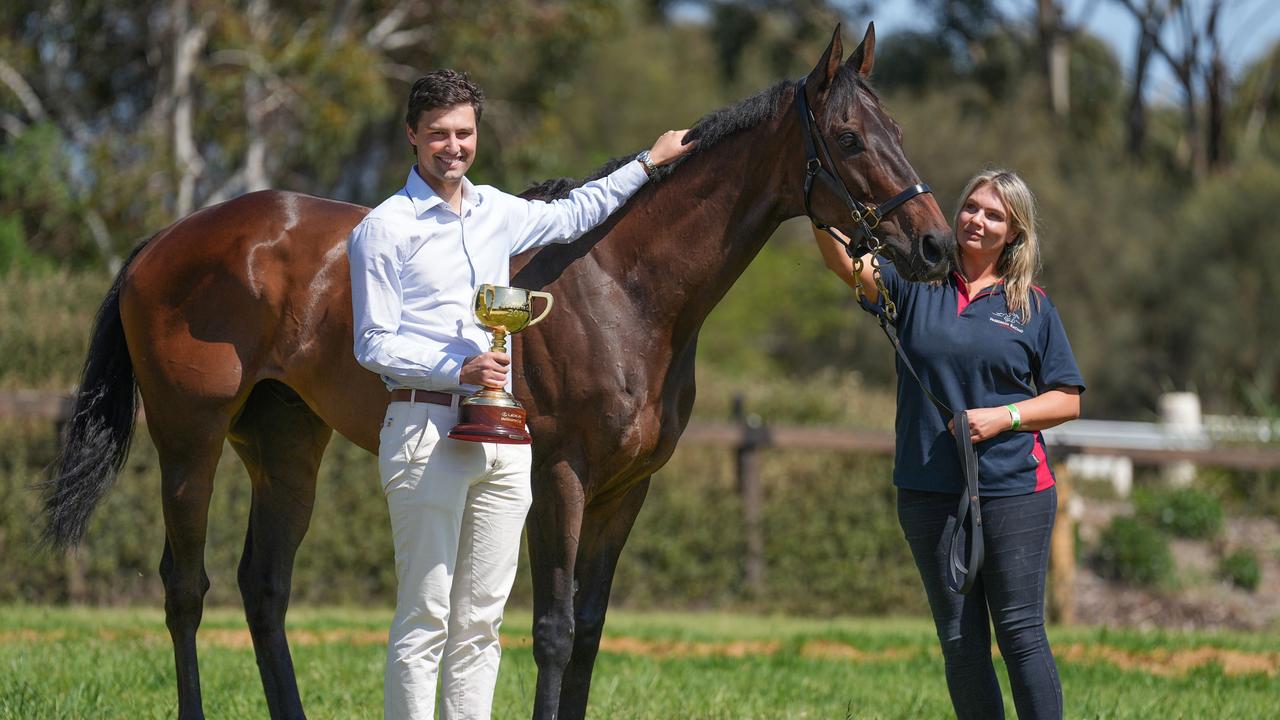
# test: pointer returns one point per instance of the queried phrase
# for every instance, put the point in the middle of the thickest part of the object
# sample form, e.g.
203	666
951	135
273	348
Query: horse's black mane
711	129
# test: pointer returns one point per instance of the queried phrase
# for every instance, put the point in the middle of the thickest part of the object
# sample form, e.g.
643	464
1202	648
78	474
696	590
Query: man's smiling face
445	141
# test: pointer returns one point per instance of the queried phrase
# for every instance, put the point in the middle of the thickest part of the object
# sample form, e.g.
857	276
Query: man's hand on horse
670	146
488	369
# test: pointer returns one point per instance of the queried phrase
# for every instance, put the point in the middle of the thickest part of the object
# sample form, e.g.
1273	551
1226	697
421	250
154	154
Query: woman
988	340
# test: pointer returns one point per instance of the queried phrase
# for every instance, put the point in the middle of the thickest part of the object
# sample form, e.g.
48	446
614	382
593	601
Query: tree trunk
1056	47
1215	84
1258	111
1137	119
255	100
1215	125
188	43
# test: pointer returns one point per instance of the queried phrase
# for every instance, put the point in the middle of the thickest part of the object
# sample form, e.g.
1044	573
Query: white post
1180	417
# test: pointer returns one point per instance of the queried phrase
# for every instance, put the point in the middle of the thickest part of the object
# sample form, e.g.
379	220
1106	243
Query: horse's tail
96	440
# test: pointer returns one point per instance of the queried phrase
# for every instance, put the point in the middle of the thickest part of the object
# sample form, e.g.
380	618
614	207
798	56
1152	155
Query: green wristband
1014	415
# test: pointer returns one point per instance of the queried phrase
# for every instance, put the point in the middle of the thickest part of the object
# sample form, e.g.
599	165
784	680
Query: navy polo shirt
972	352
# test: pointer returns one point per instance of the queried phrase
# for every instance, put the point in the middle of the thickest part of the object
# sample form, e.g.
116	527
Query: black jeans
1009	592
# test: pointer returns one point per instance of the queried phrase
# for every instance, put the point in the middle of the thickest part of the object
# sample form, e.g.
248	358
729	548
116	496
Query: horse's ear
865	56
825	71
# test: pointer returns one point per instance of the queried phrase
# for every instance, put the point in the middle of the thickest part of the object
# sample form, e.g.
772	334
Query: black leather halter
866	217
962	571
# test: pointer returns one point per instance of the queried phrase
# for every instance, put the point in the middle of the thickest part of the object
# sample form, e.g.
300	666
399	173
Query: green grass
117	663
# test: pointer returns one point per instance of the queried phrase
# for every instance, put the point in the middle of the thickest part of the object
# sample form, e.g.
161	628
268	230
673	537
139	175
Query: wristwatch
647	161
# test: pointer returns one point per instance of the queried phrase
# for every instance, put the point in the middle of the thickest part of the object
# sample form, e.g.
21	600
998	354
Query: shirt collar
962	285
425	198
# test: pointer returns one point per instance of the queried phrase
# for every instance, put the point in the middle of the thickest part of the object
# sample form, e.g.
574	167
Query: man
457	508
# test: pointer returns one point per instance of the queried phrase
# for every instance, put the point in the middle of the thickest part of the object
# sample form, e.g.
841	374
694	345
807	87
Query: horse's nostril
931	250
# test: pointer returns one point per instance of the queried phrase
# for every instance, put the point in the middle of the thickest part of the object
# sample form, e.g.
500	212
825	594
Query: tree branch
189	41
11	124
389	23
19	86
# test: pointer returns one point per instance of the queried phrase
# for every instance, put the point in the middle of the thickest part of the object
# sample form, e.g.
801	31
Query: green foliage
1241	569
915	62
1230	244
1257	102
14	253
335	92
788	315
45	320
1185	512
1248	492
39	214
1097	89
1135	552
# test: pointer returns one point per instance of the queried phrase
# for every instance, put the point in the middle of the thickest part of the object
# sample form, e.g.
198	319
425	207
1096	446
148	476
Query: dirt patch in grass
1159	661
1170	663
832	650
684	648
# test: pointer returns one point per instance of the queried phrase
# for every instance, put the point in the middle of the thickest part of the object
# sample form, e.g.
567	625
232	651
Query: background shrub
1185	512
1241	569
1135	552
832	545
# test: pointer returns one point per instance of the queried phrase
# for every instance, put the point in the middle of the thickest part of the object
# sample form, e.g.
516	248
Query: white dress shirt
415	264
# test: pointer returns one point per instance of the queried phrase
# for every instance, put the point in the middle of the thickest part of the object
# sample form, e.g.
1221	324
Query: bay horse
235	323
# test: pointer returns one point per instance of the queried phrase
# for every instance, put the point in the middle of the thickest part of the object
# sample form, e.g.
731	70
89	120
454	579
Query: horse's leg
554	525
188	449
281	443
604	532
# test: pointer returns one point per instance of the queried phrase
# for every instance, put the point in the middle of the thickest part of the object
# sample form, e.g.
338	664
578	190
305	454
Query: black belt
960	575
427	396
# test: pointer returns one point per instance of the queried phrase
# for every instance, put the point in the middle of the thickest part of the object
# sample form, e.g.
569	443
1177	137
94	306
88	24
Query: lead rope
961	575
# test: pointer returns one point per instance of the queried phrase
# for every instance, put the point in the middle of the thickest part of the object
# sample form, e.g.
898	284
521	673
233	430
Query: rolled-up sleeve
1056	363
539	223
376	292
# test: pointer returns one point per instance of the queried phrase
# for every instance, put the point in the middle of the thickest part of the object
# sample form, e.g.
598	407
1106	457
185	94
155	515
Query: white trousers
457	510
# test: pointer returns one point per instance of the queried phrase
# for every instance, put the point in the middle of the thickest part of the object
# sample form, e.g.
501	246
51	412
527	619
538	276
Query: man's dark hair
442	89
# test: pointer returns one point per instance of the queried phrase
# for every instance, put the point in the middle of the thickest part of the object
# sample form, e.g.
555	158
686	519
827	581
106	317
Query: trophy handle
547	309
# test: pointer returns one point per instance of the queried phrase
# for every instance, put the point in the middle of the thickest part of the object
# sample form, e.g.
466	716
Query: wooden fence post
753	436
1062	557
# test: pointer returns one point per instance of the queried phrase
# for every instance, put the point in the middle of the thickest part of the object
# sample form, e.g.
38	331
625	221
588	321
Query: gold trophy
491	414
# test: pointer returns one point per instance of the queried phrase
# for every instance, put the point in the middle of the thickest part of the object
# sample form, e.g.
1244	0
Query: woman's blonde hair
1020	260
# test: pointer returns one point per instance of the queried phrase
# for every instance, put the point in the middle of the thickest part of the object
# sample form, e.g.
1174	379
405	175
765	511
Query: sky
1251	27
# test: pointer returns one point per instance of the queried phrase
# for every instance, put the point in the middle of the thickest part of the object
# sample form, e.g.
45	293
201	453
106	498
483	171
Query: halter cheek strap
866	218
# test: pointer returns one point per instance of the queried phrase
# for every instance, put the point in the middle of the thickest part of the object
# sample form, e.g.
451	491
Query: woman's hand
839	262
986	423
1046	410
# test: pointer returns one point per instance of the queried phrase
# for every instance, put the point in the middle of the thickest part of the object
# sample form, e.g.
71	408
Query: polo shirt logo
1008	321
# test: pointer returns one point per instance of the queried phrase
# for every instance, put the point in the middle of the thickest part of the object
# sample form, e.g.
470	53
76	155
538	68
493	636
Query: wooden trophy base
501	424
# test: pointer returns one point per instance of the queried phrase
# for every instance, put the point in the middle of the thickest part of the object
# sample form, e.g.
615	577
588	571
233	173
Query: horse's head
857	178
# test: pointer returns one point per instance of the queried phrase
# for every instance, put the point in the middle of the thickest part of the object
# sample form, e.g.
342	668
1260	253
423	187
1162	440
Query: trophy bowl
491	414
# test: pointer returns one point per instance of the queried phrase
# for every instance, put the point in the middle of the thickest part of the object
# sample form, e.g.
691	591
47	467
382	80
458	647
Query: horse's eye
849	141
